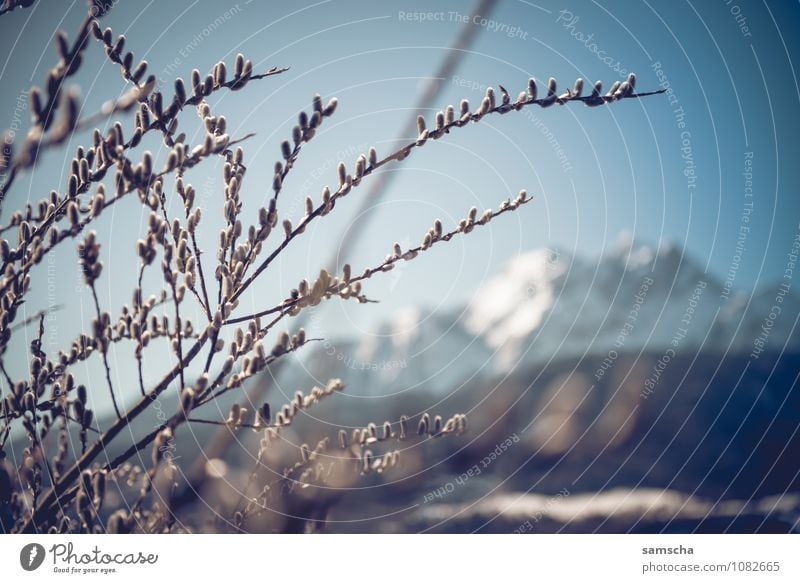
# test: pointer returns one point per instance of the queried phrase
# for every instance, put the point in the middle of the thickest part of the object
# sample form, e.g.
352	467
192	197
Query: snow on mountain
633	298
511	306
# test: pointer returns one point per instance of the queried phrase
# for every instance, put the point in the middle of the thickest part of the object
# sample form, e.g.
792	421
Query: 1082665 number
750	566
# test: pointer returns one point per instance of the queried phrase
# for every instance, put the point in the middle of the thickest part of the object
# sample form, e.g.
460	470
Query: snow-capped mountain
544	305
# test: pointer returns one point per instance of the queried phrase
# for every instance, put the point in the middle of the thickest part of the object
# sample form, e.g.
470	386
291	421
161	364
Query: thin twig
178	331
104	351
288	304
200	274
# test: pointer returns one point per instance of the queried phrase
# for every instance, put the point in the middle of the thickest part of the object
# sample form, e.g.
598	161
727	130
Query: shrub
67	492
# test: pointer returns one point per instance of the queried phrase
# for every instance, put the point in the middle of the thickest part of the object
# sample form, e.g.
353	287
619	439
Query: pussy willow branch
46	404
6	375
140	352
10	5
302	133
138	95
290	162
62	492
289	303
72	233
354	450
549	100
71	60
406	150
207	395
162	124
123	105
203	305
104	351
57	491
58	488
196	249
301	403
178	331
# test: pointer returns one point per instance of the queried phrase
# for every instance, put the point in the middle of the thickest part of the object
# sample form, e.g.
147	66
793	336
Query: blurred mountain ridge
545	305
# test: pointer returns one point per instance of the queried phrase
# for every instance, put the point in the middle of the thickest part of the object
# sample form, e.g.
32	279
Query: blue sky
595	173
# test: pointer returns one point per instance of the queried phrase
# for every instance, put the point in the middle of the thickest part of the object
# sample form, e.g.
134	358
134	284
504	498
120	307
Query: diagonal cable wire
379	187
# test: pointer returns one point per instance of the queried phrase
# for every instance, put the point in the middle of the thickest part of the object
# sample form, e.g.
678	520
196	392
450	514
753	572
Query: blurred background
630	336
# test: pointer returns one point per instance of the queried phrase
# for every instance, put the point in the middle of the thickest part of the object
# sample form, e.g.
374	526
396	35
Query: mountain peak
513	303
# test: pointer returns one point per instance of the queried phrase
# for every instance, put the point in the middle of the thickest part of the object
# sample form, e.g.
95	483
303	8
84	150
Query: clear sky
666	169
